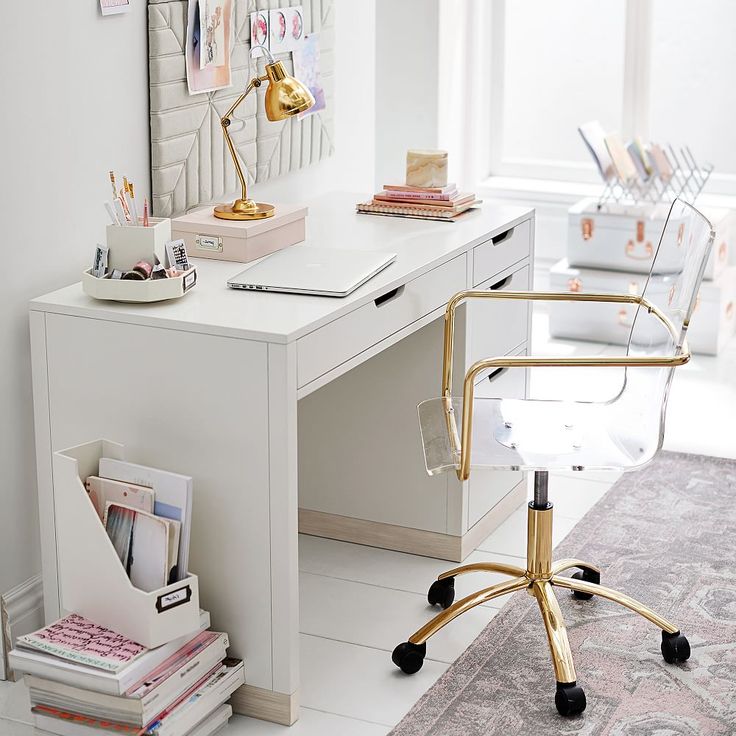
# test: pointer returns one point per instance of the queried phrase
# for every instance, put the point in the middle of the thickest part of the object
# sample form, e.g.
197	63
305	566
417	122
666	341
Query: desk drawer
502	251
337	342
497	327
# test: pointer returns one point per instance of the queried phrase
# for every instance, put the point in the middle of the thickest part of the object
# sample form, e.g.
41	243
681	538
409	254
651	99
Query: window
661	69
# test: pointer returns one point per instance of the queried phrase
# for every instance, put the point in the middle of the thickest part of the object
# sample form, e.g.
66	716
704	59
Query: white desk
210	385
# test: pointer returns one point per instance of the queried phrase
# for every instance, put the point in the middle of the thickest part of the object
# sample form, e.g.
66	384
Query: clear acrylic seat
622	433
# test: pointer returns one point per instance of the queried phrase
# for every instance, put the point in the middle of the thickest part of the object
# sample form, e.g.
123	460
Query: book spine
160	698
406	210
396	194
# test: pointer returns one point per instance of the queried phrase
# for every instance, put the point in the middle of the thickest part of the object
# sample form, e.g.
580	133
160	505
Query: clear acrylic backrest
684	247
639	410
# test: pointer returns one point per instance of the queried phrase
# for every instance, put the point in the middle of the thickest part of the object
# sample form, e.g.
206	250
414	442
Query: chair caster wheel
569	699
442	592
409	657
588	576
675	647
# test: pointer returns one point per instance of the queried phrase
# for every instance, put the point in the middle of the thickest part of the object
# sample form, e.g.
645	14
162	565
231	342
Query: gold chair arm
461	296
524	361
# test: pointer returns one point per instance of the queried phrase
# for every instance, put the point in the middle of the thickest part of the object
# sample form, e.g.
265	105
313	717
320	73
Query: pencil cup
130	244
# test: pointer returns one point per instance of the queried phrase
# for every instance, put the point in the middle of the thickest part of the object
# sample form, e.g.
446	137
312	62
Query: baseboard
494	518
21	612
266	704
404	539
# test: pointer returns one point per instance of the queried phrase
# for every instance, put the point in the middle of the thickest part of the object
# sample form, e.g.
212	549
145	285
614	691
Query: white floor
358	602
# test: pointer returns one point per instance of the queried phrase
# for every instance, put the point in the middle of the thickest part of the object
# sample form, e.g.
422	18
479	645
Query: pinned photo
213	50
209	29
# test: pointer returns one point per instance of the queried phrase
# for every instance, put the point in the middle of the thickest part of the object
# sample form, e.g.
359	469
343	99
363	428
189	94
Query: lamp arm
225	121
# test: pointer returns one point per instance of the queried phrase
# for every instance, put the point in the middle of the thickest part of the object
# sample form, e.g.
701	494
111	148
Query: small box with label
206	236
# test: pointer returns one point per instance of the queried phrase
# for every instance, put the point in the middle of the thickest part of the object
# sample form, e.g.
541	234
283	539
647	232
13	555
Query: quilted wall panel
189	160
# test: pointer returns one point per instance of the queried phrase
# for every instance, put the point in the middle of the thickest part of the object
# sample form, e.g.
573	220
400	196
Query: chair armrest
462	296
524	361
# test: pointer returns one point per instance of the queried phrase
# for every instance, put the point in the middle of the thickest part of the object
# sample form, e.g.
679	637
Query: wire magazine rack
685	179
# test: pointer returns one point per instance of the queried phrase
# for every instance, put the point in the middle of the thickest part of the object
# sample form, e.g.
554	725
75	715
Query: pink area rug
665	535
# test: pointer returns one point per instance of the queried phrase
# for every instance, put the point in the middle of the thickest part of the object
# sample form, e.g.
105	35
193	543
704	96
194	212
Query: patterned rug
665	535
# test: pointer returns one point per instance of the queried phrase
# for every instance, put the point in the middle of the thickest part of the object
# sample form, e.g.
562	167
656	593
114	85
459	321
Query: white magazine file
92	580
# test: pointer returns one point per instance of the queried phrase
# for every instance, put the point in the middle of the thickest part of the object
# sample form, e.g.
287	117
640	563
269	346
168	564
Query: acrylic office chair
460	433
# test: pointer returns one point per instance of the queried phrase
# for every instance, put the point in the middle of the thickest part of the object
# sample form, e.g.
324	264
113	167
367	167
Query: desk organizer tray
711	326
92	581
625	237
127	290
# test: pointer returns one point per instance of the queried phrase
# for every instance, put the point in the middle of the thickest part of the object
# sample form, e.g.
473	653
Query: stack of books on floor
85	680
423	203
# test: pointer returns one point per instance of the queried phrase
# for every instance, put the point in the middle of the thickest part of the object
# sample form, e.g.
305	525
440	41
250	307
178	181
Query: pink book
76	639
171	665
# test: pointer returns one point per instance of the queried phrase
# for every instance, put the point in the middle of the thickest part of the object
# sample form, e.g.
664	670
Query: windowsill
550	192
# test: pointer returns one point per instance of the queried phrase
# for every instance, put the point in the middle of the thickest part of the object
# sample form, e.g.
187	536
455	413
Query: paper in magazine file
76	639
147	545
172	498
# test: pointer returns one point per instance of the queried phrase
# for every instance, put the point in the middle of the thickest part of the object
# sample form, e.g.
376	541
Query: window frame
636	104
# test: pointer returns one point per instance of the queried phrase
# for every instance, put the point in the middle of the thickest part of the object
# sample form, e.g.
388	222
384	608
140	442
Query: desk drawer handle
495	374
498	239
500	284
389	296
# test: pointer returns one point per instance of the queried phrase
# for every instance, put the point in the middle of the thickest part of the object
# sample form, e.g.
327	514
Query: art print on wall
209	29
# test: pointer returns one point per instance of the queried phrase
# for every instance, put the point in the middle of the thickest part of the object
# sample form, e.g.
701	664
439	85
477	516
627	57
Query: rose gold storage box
625	237
242	241
713	322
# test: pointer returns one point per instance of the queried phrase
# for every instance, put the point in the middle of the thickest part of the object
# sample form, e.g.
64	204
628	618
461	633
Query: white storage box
625	237
92	581
711	326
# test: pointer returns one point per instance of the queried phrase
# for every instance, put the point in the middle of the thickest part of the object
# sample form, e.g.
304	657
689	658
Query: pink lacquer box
230	240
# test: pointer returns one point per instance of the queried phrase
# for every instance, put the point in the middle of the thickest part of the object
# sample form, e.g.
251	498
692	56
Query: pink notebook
76	639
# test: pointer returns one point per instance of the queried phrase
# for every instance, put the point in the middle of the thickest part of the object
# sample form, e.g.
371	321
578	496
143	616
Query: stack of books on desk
85	680
424	203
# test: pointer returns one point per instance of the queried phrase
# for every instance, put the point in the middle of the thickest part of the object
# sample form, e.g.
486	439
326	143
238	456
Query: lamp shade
285	95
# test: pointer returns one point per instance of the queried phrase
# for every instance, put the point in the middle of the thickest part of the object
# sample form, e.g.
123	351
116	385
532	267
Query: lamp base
244	210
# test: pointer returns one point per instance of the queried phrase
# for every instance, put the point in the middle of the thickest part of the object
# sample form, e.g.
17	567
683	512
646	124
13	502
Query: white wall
76	89
407	67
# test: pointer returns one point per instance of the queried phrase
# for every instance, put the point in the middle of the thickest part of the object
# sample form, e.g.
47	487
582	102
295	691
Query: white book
197	704
214	722
141	705
91	678
172	497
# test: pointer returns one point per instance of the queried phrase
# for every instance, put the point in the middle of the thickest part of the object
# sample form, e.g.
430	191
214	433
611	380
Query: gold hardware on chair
631	251
722	252
574	285
587	225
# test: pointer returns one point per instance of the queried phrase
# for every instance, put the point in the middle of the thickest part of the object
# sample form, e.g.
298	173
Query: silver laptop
303	269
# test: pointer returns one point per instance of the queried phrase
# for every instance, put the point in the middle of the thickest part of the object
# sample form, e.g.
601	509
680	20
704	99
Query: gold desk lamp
285	96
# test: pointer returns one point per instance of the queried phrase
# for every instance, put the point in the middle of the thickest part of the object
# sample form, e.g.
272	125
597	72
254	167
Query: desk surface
211	307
